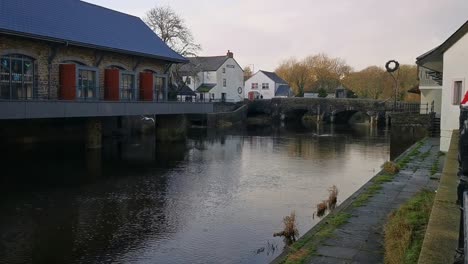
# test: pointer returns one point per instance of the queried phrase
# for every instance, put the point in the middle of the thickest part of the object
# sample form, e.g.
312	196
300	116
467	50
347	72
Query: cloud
265	32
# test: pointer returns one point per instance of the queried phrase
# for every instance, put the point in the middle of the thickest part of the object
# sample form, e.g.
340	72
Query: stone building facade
48	56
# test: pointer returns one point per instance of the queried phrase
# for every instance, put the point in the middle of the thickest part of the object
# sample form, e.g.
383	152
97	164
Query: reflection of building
266	85
446	65
73	50
218	78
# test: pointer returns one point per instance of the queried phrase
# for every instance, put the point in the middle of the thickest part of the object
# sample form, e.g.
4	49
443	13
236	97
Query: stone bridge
330	109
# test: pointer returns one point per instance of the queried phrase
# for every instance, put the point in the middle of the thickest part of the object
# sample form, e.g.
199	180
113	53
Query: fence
462	191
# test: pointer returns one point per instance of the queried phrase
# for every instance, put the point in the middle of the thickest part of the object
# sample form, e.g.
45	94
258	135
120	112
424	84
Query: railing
462	191
85	94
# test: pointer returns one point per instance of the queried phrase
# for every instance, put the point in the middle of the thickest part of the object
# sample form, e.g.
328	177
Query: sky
263	33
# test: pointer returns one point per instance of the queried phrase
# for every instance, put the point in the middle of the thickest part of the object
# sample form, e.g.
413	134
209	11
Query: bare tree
171	28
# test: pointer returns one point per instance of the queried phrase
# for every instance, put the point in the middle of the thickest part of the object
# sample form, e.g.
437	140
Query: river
217	198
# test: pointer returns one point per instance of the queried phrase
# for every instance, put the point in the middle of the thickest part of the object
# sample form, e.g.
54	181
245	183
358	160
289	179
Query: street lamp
391	67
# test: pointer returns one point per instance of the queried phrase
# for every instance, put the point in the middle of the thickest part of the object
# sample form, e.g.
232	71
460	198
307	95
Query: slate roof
202	64
78	23
206	87
283	90
273	76
186	91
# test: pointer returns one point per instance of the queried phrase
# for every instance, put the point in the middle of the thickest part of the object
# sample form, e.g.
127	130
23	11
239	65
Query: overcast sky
265	32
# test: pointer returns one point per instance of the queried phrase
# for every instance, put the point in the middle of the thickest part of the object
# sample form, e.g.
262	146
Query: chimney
230	54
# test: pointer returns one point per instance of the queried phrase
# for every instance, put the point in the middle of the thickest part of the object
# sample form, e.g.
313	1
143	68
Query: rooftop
77	23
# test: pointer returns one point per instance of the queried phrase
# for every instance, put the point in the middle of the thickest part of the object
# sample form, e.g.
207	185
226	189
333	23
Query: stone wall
236	117
407	129
48	57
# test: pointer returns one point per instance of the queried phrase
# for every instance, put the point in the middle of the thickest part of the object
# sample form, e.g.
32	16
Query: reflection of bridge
329	109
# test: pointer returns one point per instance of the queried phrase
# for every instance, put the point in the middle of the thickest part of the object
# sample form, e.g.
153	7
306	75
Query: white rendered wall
260	78
455	69
431	94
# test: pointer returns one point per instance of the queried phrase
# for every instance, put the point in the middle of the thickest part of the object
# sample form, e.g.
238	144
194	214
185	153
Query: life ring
392	69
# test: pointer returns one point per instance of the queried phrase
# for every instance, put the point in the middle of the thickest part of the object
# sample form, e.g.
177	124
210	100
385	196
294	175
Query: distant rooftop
78	23
203	64
273	76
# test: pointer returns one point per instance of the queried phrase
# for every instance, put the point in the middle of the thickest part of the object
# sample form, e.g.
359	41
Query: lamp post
391	67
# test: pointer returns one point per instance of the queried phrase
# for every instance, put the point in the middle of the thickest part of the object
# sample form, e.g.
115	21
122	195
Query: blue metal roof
83	24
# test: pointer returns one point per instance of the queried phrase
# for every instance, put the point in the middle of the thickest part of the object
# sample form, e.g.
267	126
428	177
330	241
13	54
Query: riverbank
353	233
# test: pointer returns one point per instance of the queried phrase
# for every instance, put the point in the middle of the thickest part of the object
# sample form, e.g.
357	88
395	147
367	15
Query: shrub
391	167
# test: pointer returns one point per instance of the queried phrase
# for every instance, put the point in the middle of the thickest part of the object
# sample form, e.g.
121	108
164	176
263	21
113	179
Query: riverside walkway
360	237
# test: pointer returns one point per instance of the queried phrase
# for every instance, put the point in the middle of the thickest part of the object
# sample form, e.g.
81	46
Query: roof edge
85	45
447	44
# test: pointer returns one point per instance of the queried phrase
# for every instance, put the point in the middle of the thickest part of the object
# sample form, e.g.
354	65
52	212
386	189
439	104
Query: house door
202	97
251	96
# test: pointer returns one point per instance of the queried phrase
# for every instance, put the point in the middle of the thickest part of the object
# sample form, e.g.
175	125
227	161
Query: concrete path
361	239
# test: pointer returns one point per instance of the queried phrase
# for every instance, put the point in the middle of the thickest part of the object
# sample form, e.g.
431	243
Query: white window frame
455	101
265	86
224	82
224	70
254	86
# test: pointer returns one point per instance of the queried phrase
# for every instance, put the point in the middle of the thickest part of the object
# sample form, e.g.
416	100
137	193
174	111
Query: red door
251	96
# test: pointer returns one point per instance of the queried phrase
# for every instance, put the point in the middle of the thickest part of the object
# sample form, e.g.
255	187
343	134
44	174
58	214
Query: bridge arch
351	117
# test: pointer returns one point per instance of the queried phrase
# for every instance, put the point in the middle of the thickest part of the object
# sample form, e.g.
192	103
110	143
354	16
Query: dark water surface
215	199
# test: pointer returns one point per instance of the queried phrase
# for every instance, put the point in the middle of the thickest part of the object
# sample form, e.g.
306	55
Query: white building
448	64
218	78
430	85
266	85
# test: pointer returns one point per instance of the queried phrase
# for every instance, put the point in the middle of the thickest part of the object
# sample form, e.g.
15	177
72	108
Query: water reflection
217	198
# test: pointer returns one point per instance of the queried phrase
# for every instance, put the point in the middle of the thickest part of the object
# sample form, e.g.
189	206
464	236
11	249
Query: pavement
361	239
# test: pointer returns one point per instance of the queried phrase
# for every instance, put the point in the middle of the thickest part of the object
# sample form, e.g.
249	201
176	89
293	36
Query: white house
218	78
266	85
448	64
430	86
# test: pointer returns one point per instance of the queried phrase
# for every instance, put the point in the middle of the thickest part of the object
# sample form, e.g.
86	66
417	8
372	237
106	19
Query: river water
217	198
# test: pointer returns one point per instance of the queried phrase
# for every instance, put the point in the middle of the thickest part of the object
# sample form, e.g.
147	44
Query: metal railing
462	191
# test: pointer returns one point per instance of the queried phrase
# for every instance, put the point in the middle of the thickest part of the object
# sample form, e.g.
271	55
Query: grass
305	248
407	159
405	229
290	231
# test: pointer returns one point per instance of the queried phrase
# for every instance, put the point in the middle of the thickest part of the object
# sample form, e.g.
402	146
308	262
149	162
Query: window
16	77
159	88
87	83
265	86
254	86
224	82
188	80
457	92
224	70
127	86
223	97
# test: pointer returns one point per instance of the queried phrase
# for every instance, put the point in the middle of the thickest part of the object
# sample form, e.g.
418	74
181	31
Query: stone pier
93	133
171	128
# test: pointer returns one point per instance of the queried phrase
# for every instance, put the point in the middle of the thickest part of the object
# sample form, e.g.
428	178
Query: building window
16	77
224	82
457	92
87	83
223	97
254	86
127	86
265	86
159	88
224	70
188	80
